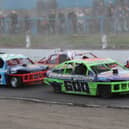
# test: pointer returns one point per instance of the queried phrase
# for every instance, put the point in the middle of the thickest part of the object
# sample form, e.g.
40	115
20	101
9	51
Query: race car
95	77
17	70
127	64
60	57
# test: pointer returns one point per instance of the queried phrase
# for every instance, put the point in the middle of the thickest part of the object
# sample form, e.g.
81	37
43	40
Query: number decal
68	85
78	86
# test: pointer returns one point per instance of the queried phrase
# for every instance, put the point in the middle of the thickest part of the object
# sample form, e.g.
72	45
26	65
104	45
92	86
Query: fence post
104	41
27	40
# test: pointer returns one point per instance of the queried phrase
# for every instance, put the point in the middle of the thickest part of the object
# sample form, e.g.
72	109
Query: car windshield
106	67
25	61
20	61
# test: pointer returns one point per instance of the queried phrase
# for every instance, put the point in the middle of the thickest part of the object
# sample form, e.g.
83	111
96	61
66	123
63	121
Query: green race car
95	77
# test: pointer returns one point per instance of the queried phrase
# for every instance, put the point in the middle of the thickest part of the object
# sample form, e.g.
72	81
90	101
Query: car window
112	65
63	58
115	66
69	68
80	69
100	68
24	61
19	61
12	62
1	63
53	59
60	69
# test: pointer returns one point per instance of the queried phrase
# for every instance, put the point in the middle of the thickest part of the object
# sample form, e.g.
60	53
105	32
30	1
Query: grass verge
73	41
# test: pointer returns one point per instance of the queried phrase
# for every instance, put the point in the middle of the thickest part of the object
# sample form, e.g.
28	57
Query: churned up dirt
27	115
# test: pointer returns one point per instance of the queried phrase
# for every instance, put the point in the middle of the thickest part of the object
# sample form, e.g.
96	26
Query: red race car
127	64
60	57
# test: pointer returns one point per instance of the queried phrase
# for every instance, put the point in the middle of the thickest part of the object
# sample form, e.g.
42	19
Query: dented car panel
60	57
95	77
17	70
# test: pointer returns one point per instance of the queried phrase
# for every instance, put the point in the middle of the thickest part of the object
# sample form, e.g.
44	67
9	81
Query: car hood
27	68
110	76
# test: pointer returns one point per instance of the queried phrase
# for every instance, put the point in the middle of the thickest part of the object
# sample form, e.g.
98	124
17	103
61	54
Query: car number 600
78	86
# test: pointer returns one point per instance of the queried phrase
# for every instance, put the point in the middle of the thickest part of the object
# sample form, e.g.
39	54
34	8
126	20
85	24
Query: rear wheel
56	87
15	82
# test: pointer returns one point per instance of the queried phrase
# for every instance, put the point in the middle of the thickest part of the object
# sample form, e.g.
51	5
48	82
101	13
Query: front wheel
15	82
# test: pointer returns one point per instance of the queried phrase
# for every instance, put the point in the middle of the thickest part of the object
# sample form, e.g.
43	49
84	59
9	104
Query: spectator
80	21
52	21
43	25
27	23
95	7
1	22
110	9
14	21
126	19
73	21
100	9
61	18
109	13
118	19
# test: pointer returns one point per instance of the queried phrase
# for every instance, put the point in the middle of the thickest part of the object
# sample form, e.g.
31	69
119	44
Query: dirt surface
27	115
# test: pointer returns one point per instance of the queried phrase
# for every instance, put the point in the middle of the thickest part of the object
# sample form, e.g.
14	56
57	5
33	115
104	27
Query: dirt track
23	115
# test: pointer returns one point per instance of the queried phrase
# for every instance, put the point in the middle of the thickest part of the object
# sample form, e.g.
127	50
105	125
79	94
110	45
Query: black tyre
104	91
15	82
56	87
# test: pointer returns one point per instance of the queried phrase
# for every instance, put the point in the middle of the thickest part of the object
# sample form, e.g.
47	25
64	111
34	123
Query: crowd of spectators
100	18
11	22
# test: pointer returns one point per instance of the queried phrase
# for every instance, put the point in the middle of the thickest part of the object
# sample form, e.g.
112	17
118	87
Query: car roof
93	61
11	56
74	53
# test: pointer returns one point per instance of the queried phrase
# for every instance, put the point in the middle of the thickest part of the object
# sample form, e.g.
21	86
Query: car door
78	81
3	71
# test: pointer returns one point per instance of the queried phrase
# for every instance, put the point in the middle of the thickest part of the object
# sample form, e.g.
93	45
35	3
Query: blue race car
17	70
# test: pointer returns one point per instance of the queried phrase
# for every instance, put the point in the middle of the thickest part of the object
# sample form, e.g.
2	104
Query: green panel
84	86
123	87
